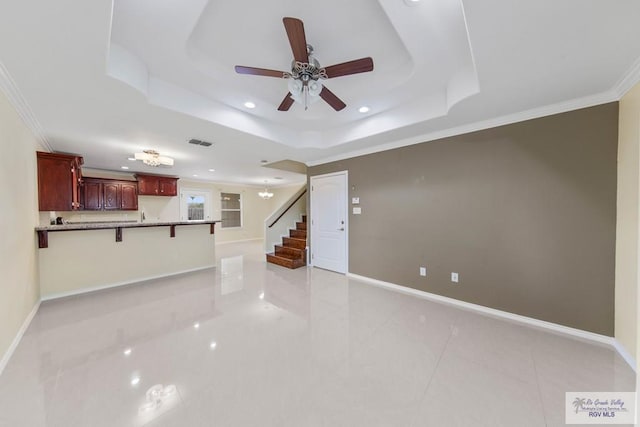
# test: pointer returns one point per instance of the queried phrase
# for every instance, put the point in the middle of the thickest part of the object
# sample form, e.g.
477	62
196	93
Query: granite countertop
116	224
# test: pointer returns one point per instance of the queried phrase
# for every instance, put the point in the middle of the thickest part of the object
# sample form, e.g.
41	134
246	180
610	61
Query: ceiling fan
153	158
304	85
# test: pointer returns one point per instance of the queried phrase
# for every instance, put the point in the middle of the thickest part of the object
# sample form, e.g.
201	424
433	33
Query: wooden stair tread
292	242
298	234
292	253
285	261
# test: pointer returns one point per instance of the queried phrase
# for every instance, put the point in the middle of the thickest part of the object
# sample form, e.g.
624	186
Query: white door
329	221
195	205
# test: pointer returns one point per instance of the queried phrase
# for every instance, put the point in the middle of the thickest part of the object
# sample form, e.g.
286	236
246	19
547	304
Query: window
231	209
195	208
195	205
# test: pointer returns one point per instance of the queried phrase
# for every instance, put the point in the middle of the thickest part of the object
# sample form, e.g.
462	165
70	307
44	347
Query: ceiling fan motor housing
304	85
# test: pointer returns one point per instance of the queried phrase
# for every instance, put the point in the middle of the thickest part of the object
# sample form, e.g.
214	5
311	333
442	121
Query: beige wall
79	261
18	250
525	213
255	209
627	251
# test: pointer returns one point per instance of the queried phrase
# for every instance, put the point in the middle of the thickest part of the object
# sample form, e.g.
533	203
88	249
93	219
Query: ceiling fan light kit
304	83
153	158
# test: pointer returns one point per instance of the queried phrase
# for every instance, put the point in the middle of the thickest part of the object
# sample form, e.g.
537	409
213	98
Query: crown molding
10	89
534	113
628	80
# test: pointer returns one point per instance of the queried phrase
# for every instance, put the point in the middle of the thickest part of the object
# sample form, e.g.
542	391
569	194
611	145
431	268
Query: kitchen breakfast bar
82	257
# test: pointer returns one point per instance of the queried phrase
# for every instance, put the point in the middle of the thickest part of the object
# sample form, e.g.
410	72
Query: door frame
208	210
346	219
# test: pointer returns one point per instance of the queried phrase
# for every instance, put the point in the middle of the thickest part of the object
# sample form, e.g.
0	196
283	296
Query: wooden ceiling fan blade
286	103
356	66
297	39
331	99
259	71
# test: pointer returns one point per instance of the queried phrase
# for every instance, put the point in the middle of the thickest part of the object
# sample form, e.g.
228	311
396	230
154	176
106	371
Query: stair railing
278	223
288	207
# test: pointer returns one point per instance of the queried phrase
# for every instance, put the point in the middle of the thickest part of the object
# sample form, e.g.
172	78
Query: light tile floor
251	344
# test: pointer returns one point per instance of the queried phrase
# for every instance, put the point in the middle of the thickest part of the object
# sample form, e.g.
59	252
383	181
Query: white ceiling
106	79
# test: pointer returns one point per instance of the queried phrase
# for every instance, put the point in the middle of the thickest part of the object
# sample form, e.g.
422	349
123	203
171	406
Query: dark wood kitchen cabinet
91	194
129	196
157	185
59	179
109	194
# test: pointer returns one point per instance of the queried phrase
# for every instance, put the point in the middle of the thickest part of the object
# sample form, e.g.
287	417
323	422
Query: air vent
198	142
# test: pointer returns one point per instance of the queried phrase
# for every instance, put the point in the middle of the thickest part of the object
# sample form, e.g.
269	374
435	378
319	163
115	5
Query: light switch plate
357	211
454	277
355	200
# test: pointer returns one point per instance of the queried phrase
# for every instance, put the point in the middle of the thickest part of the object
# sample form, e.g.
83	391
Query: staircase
292	253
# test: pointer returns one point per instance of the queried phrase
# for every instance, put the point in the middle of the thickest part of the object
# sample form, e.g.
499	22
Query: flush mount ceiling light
266	194
304	78
153	158
250	105
363	109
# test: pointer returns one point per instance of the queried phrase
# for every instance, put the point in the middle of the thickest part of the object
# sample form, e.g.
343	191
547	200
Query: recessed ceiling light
196	325
212	170
131	159
213	345
135	381
411	2
195	175
249	104
261	296
127	352
124	167
363	109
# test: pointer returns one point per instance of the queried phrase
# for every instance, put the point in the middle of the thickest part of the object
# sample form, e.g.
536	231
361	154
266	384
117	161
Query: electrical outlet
423	271
454	277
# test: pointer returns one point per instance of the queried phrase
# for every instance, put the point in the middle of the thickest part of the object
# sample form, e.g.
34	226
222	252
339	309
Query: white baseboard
118	284
554	327
5	359
631	361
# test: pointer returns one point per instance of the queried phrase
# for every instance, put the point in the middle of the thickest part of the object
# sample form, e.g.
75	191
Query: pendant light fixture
266	194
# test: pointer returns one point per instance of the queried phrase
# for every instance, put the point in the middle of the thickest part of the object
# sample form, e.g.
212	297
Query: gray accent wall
524	213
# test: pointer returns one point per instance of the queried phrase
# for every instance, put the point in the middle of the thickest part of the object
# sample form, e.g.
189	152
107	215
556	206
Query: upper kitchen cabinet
157	185
109	194
59	179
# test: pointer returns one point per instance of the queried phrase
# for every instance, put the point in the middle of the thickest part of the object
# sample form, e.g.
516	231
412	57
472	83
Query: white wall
627	224
255	209
273	235
19	291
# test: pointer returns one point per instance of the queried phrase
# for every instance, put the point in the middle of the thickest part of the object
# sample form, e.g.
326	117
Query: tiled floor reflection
251	344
